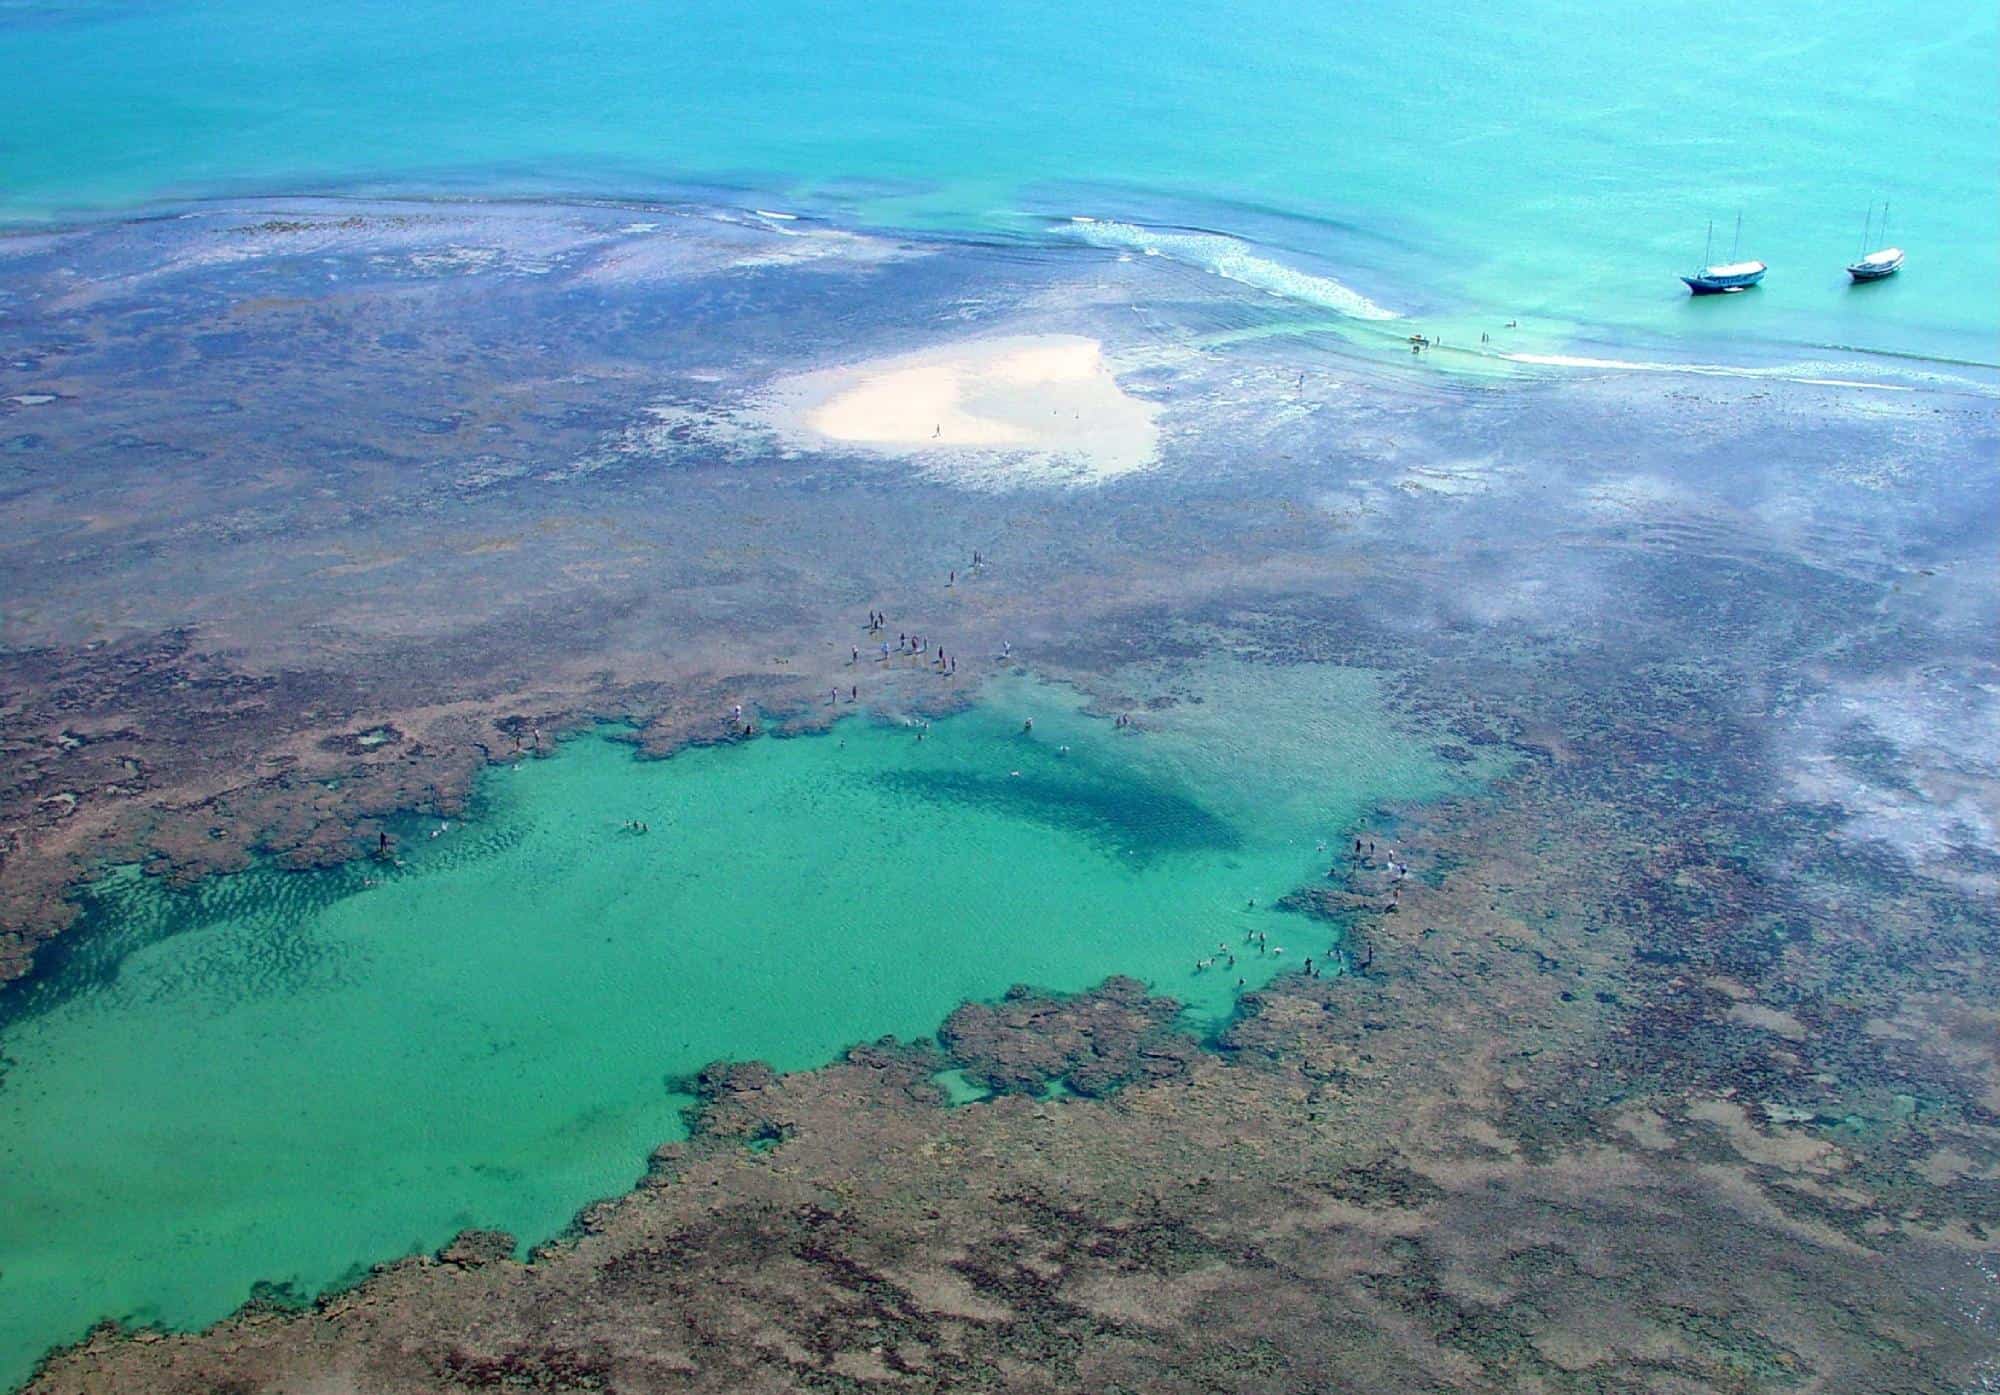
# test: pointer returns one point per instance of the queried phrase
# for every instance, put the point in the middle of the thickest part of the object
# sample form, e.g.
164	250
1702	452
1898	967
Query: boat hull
1721	285
1875	271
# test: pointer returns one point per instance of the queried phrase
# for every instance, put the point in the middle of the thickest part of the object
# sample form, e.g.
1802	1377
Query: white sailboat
1729	276
1885	261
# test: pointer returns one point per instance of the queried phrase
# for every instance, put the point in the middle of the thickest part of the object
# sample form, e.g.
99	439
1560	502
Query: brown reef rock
1092	1044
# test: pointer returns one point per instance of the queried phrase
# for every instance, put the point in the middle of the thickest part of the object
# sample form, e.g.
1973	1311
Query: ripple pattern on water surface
268	954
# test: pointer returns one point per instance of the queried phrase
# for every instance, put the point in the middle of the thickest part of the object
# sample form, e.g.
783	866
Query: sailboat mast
1737	243
1885	222
1708	247
1866	223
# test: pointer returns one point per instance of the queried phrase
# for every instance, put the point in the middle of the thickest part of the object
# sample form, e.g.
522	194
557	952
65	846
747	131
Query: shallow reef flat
1673	1064
553	969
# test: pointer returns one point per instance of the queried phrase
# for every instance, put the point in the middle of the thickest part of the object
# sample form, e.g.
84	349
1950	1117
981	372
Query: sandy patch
1789	1149
1948	1165
1768	1019
986	413
1646	1129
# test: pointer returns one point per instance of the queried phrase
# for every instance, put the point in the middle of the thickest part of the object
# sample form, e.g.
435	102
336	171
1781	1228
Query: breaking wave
1233	259
1800	373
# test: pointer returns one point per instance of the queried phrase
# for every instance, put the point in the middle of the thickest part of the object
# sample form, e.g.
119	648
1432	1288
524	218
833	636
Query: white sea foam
1235	260
1798	374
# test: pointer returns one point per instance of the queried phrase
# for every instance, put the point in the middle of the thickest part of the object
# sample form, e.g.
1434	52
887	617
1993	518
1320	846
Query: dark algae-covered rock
1092	1043
471	1249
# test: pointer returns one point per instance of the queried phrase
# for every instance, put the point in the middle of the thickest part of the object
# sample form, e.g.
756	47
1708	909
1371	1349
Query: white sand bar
988	413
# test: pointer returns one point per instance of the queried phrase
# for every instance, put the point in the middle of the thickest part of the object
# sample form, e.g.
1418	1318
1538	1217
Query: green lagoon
285	1077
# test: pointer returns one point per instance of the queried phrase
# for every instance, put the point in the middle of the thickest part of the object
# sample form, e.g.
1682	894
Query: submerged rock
470	1249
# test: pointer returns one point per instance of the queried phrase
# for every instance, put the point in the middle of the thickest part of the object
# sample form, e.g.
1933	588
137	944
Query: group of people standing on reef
1364	853
1399	872
1225	957
944	663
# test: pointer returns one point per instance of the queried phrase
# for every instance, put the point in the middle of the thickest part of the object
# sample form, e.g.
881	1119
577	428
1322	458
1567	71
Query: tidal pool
282	1078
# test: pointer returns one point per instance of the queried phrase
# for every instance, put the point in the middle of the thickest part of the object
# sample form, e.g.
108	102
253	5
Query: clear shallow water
286	1077
1550	160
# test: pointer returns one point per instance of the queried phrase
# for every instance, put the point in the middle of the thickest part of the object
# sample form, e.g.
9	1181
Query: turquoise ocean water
1548	160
